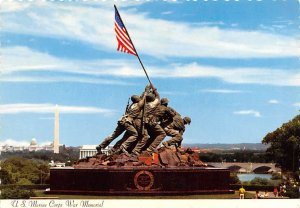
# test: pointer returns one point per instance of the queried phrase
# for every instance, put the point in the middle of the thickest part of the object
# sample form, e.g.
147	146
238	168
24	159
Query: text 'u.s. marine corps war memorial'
148	159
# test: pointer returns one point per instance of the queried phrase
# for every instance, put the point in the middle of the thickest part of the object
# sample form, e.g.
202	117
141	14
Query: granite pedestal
141	180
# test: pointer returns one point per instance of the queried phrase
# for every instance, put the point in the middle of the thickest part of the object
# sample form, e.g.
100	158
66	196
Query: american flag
124	43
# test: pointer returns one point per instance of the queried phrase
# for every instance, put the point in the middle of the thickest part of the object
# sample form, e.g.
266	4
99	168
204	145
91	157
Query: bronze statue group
146	122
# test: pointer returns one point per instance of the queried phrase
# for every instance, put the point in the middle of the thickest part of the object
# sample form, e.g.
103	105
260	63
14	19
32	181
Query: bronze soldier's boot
125	151
111	151
146	153
135	153
166	144
117	151
178	144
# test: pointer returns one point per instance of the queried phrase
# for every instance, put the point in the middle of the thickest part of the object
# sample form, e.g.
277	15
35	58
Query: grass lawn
210	196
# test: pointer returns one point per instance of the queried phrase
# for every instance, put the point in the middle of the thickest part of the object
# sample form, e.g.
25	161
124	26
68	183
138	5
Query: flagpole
134	48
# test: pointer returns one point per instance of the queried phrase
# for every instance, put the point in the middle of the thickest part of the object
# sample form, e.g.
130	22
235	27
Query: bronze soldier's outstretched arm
142	101
143	97
157	96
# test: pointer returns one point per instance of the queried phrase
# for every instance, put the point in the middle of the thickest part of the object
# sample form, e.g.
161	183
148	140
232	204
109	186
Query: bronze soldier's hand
147	88
152	86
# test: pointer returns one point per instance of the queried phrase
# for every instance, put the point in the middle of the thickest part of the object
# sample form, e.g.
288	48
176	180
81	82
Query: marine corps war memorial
147	158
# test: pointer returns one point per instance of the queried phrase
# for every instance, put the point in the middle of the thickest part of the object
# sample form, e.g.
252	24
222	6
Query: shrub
260	181
252	187
27	187
292	192
16	193
276	176
234	179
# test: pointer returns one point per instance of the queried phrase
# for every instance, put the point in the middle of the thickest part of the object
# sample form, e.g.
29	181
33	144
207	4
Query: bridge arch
234	168
262	169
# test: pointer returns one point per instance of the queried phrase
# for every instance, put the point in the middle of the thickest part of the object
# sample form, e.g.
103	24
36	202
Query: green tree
25	171
285	145
5	177
24	181
276	176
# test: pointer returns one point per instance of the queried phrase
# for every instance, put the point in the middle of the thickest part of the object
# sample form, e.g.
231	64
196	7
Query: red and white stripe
124	43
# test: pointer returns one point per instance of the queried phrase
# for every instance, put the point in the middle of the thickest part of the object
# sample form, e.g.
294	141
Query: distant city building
32	147
90	150
57	164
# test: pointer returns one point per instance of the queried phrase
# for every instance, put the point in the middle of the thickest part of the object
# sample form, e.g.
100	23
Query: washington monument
56	131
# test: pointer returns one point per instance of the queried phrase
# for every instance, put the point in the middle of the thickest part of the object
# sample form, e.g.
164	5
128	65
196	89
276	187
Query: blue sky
232	66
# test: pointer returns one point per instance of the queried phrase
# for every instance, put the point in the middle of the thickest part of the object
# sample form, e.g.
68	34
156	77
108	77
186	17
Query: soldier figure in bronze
126	121
176	130
159	115
146	122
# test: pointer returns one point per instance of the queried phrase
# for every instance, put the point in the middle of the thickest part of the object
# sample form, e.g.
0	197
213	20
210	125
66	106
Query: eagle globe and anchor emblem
143	180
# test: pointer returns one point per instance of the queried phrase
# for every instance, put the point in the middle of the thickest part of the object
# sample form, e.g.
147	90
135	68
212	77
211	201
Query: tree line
28	168
285	145
67	155
255	156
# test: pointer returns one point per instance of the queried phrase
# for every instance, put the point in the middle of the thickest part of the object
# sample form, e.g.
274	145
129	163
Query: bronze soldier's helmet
164	101
135	98
150	97
187	120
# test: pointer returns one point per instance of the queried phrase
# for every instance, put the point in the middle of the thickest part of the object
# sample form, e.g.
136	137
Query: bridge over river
247	167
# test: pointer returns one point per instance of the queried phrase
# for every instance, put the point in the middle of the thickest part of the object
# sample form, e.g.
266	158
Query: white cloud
222	91
296	104
12	6
94	25
167	12
267	28
28	79
279	26
236	75
49	108
45	143
248	112
22	59
12	142
18	59
273	101
202	24
21	143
